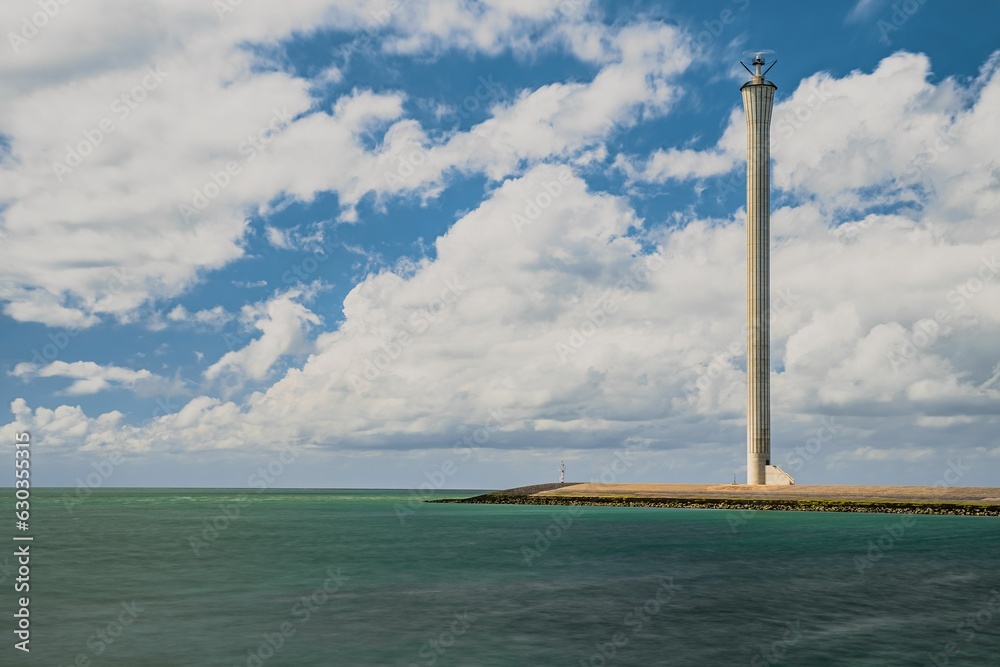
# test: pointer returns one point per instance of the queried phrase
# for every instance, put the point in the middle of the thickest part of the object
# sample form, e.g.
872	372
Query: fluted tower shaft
758	99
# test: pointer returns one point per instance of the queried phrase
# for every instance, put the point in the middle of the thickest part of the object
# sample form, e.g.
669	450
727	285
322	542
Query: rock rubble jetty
960	501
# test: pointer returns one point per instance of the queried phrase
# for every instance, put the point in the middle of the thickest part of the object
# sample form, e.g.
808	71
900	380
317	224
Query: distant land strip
961	501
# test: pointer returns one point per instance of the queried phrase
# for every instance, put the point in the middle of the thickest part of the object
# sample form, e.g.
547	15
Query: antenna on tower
758	58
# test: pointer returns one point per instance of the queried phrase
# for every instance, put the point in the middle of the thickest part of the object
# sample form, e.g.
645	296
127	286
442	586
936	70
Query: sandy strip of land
931	494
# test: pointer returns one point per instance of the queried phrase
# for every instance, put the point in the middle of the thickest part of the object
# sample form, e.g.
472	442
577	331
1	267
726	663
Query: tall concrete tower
758	98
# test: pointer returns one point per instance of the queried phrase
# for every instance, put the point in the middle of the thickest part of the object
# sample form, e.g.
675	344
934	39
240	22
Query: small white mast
562	472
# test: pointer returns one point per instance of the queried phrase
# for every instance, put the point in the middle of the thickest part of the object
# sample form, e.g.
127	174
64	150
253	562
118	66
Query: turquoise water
338	578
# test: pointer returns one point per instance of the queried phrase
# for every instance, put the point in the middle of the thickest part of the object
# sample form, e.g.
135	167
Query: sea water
372	577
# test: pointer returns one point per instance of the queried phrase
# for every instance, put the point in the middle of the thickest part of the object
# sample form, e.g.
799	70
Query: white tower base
775	475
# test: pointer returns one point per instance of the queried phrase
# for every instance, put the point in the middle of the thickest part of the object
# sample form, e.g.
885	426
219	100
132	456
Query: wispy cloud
863	10
91	378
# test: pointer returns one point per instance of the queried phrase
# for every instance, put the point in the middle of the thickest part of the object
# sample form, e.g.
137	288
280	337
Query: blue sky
481	238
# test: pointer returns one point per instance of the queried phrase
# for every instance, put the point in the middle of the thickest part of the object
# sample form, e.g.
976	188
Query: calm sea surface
355	577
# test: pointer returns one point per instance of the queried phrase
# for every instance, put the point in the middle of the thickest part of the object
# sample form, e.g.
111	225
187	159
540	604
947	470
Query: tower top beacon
758	59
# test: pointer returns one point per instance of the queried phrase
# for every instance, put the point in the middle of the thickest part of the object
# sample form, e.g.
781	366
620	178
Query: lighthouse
758	98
